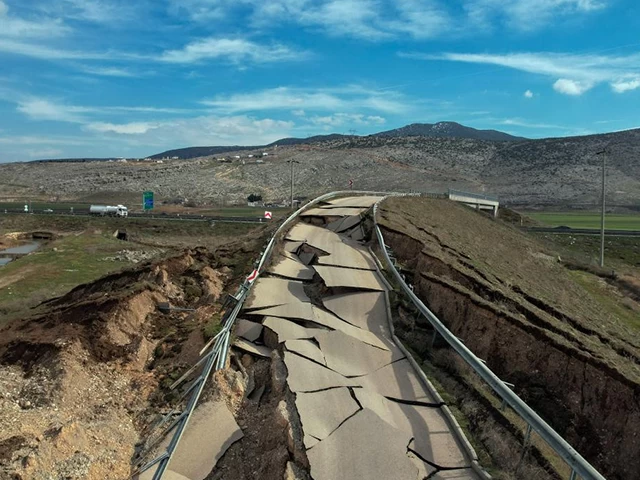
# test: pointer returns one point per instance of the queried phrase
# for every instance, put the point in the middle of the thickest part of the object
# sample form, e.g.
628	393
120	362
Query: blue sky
132	78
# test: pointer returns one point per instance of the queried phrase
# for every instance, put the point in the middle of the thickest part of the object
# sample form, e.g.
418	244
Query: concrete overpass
476	200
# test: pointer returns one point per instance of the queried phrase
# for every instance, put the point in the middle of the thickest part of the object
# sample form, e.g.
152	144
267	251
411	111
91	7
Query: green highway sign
147	200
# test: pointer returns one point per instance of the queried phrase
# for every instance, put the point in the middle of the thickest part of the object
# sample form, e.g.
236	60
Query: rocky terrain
548	171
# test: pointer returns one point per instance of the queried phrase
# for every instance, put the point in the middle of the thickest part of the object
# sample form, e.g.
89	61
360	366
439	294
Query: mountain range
562	171
429	130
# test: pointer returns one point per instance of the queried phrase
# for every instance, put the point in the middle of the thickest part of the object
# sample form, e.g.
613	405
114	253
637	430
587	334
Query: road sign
350	184
147	200
267	215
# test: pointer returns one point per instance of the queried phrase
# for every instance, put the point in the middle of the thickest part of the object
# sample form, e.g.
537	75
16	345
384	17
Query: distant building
264	154
159	161
175	158
236	156
250	156
259	161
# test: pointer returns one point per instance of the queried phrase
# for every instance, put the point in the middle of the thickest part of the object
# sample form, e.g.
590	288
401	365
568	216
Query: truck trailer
109	210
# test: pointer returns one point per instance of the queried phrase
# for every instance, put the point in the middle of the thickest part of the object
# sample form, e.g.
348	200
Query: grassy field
586	220
81	253
56	268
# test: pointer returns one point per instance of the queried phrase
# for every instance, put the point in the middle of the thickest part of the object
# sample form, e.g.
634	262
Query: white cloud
16	27
348	119
518	122
234	50
574	73
622	86
528	94
378	20
210	130
109	71
133	128
298	113
351	97
41	109
43	52
526	15
571	87
45	109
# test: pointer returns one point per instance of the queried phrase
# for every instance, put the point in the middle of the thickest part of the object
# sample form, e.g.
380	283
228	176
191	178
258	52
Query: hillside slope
560	170
447	130
574	359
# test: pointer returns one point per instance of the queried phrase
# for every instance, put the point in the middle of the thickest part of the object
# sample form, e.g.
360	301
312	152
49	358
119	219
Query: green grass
600	292
614	221
619	252
48	273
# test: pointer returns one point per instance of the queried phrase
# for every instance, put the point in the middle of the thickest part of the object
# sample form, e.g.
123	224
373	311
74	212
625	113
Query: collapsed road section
364	412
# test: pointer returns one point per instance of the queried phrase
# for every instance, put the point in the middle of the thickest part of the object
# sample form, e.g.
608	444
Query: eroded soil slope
80	381
572	358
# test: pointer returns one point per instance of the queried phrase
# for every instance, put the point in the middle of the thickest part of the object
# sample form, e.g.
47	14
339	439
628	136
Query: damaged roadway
364	412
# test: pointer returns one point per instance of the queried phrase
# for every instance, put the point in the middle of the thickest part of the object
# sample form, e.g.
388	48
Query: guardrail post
574	475
525	447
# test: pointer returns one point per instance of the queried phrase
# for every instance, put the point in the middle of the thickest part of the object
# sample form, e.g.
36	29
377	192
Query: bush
212	327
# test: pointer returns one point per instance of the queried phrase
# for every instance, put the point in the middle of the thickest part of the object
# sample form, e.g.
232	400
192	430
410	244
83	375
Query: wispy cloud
232	50
575	73
379	20
350	97
235	50
626	85
132	128
528	94
43	109
518	122
110	71
347	119
526	15
41	27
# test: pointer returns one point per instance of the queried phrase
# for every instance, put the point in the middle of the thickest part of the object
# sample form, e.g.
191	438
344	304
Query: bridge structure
478	201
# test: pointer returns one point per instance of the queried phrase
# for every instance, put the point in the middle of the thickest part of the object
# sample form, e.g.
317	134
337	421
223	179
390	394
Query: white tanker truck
108	210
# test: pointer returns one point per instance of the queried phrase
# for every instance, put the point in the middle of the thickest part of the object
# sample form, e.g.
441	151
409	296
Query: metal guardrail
578	465
216	358
479	196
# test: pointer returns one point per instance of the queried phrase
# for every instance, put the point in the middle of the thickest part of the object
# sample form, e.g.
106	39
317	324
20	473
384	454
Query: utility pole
292	162
604	156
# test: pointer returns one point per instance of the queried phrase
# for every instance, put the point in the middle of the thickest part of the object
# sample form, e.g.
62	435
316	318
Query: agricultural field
85	249
613	221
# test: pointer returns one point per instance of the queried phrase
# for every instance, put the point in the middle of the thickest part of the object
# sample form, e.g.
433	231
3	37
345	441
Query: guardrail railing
577	464
177	419
479	196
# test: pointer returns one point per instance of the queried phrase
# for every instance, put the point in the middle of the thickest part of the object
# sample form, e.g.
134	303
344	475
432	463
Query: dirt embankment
515	306
79	382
